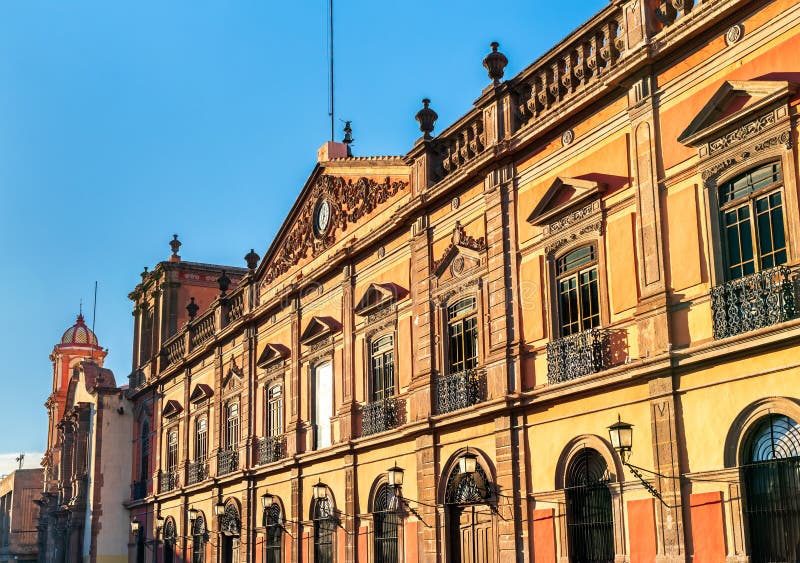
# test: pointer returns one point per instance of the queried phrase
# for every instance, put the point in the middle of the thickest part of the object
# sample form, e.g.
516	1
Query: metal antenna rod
94	315
330	47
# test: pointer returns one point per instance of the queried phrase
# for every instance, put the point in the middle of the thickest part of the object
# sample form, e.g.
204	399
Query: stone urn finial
192	309
426	118
224	283
252	259
495	63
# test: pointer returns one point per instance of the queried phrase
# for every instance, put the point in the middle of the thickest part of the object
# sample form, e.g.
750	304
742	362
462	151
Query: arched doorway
169	540
274	534
770	479
386	524
324	530
470	520
230	525
199	538
590	516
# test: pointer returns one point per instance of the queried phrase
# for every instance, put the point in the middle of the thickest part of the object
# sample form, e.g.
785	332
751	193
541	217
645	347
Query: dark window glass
275	410
382	368
386	525
589	512
324	529
172	452
201	440
274	530
578	291
232	426
144	445
462	330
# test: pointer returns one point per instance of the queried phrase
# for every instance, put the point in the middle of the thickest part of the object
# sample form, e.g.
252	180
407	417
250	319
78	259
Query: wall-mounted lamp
395	475
191	513
320	490
135	526
467	463
219	509
621	435
267	500
159	523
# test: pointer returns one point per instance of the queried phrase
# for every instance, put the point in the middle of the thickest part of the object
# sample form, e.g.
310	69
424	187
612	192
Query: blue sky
124	122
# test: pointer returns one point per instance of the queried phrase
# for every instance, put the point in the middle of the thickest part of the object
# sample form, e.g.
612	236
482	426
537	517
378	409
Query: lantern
395	475
621	435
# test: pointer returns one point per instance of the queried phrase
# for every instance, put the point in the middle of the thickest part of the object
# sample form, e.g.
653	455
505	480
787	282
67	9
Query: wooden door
473	537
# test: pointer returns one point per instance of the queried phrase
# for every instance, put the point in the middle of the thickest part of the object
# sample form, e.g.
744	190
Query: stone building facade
19	515
611	236
86	464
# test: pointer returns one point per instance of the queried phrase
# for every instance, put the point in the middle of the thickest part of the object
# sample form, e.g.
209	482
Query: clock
322	217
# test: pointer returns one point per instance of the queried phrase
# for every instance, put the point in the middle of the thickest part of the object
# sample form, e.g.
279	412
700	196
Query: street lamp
395	475
467	463
320	490
135	526
191	513
219	509
621	435
159	523
267	500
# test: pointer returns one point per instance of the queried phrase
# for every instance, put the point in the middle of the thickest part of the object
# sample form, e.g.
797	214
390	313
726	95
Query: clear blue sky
122	122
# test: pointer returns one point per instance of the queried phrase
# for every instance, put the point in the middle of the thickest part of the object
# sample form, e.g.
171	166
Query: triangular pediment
319	327
733	102
562	195
272	354
461	244
172	408
200	393
233	370
377	295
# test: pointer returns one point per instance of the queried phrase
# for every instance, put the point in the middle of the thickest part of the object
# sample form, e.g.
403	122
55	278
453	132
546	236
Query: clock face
322	217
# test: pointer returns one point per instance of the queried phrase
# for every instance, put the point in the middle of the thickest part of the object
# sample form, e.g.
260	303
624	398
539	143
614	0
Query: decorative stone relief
743	133
567	137
734	34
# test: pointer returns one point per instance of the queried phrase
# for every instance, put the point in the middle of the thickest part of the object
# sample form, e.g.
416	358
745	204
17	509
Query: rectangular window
232	427
275	410
462	328
752	221
382	368
201	440
323	405
172	452
578	291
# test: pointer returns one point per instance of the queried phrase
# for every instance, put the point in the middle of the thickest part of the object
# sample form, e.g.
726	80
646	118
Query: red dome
79	333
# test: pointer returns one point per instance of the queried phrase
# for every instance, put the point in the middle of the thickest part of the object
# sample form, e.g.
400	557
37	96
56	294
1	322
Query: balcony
139	490
756	301
379	416
460	390
578	355
270	449
167	481
197	472
227	461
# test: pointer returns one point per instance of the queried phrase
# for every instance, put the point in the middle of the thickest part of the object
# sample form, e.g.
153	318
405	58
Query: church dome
79	333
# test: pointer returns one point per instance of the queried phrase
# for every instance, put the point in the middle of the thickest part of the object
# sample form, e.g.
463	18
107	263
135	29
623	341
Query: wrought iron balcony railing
379	416
227	461
139	490
756	301
167	481
578	355
197	472
270	449
460	390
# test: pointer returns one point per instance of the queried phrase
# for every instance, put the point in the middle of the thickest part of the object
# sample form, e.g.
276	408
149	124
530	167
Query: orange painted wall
707	527
642	529
622	263
684	238
411	549
532	299
544	536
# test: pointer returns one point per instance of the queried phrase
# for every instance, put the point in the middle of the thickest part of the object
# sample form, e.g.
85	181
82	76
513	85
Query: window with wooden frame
172	451
201	439
578	291
274	410
144	452
462	333
382	366
752	221
232	426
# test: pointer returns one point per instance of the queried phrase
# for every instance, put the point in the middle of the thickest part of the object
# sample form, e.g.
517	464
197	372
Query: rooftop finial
426	118
175	245
348	137
495	62
252	259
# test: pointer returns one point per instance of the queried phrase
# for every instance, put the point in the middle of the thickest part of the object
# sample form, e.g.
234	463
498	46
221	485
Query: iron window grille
172	461
201	440
386	520
578	355
227	461
379	416
274	535
270	449
168	481
197	472
590	523
462	332
324	531
770	481
139	490
578	291
199	539
460	390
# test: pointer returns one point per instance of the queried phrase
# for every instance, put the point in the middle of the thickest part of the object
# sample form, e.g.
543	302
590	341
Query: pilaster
423	321
427	473
347	410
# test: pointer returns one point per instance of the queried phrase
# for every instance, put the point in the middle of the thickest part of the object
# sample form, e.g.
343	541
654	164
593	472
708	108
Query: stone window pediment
738	111
233	370
463	252
171	409
200	393
378	295
272	354
564	195
319	328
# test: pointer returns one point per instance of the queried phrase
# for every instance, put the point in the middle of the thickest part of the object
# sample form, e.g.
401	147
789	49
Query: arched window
201	439
382	356
170	534
144	452
578	292
232	426
385	519
751	221
770	476
274	539
470	519
199	539
324	529
462	333
230	525
590	526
